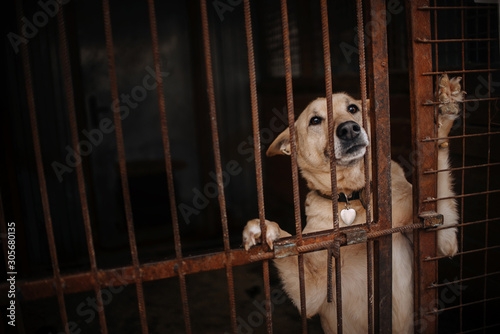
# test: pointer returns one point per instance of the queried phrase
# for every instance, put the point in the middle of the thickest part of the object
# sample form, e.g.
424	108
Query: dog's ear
281	145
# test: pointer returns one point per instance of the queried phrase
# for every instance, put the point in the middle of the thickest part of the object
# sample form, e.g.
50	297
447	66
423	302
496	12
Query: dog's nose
348	130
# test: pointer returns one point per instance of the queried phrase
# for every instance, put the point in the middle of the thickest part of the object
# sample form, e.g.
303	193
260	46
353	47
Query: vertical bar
369	245
422	117
123	164
379	88
364	107
329	106
217	159
293	156
462	200
485	281
58	282
371	306
168	164
435	60
70	101
258	156
333	166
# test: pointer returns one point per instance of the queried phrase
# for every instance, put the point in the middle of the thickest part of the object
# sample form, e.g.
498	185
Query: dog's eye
352	108
315	120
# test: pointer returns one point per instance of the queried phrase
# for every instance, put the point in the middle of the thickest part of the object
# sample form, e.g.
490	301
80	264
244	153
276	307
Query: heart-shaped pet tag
348	216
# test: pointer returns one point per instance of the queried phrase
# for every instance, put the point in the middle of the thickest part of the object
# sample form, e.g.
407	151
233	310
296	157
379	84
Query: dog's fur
350	148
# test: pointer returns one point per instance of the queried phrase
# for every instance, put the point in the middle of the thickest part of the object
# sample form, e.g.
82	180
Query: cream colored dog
351	142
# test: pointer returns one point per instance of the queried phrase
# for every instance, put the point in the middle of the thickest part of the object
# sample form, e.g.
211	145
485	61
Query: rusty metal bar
430	200
168	165
462	71
421	89
56	282
462	168
75	283
381	152
293	156
329	274
122	162
333	166
425	40
338	284
462	136
463	171
364	104
70	101
291	116
455	7
440	285
476	329
258	157
432	103
461	305
429	259
331	123
371	292
217	159
470	223
485	282
364	109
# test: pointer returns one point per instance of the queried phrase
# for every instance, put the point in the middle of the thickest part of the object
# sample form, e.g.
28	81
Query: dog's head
351	140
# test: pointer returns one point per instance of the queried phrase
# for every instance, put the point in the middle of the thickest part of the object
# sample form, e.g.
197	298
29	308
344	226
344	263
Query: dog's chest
319	212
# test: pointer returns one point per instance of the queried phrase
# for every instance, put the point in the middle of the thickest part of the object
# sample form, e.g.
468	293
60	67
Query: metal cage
468	50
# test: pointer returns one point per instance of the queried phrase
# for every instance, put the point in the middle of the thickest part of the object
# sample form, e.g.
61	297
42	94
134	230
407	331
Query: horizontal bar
429	103
451	40
467	224
462	253
425	140
476	329
429	200
432	171
463	305
43	288
462	71
434	286
454	7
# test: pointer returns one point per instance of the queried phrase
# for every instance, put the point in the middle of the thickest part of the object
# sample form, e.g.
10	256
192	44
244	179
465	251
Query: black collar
342	197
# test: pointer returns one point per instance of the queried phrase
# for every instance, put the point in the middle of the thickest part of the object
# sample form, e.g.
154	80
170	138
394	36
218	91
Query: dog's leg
450	96
314	264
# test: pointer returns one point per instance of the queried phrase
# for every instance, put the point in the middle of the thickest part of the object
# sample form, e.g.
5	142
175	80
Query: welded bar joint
285	248
356	236
431	219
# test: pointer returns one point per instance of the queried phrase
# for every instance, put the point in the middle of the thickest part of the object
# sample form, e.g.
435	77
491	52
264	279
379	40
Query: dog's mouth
355	148
348	155
350	152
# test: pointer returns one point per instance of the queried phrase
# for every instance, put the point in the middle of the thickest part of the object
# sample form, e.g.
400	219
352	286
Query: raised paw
450	95
252	233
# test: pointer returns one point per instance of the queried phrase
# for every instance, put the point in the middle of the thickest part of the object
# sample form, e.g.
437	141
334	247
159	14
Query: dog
351	145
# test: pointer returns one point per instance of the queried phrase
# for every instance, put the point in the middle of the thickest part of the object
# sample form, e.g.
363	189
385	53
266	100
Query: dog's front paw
450	95
447	242
252	233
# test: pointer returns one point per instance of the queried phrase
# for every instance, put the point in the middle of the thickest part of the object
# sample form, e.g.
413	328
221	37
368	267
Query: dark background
180	41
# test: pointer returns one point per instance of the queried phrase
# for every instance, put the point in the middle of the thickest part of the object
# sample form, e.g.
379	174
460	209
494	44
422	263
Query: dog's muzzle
352	142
